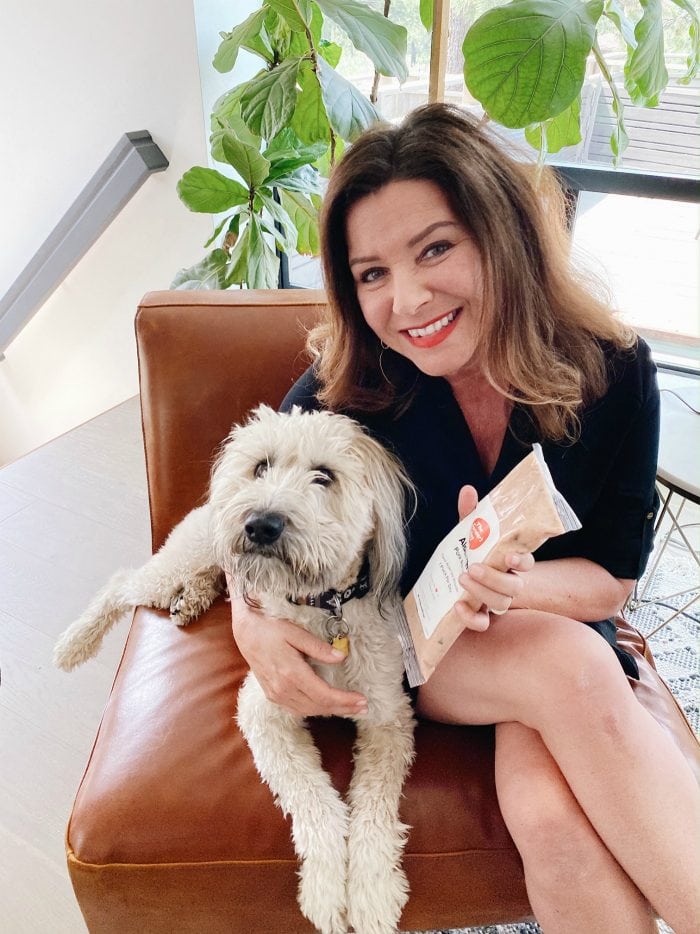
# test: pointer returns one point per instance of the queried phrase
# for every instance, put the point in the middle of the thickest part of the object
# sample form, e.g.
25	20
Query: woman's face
417	272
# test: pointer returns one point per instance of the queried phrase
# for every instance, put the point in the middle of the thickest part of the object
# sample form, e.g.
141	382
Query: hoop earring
379	361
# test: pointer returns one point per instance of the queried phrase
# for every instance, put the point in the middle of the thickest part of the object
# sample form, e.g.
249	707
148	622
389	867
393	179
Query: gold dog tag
341	644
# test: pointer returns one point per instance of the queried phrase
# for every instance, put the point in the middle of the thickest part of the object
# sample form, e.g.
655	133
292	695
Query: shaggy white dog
306	515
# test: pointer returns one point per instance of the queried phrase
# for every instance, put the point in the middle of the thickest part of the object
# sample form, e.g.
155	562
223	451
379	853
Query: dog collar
331	599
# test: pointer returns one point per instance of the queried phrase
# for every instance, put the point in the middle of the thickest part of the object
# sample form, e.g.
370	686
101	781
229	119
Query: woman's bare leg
560	679
573	882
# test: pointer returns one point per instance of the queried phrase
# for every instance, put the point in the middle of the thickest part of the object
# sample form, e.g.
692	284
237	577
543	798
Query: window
648	249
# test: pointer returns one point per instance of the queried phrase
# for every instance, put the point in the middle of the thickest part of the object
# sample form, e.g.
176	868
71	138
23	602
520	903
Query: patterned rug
676	652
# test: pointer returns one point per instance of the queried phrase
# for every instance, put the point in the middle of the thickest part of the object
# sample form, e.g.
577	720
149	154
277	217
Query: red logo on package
480	531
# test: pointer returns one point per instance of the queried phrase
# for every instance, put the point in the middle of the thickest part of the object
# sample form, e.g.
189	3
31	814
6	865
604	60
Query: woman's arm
573	587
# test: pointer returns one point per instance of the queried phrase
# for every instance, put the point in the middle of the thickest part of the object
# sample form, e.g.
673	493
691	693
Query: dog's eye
261	469
323	476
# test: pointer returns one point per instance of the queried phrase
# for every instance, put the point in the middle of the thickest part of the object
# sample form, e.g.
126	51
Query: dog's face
298	500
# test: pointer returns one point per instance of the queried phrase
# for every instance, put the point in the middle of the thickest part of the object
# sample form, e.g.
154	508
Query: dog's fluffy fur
339	497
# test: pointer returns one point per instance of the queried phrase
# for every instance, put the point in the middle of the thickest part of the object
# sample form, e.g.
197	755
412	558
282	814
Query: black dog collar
331	599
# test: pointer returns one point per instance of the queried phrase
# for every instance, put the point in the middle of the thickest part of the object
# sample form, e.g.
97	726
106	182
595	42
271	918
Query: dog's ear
392	493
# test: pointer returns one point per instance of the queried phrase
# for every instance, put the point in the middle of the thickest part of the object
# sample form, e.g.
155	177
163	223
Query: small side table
678	476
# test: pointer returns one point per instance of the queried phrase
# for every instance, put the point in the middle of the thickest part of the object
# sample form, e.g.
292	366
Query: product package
517	516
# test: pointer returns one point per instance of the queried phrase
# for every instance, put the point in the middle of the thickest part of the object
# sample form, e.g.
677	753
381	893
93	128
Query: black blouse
607	475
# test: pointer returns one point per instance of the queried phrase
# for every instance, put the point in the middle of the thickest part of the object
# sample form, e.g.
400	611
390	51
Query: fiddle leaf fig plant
280	132
526	63
276	135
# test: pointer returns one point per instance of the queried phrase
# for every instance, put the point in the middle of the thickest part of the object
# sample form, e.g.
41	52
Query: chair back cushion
206	359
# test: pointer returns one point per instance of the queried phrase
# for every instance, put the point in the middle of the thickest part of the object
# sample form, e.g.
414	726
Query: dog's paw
67	655
188	603
322	896
76	645
377	886
377	910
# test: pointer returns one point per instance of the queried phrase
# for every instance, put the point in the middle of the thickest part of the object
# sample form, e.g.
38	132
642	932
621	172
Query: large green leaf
381	40
262	44
304	214
286	238
277	212
287	152
297	13
209	192
268	101
526	61
250	164
615	12
299	41
304	179
348	111
227	53
310	121
560	131
645	70
210	273
426	14
263	263
226	118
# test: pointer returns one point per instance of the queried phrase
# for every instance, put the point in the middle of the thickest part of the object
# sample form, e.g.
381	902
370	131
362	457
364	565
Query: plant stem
314	64
375	83
618	107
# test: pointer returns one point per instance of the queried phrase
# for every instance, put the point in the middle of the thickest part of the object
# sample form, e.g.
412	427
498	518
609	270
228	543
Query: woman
458	334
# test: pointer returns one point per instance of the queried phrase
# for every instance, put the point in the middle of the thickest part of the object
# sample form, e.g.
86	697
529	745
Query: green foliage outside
282	130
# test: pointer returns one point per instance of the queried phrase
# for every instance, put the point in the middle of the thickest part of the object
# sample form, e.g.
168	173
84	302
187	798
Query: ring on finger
502	611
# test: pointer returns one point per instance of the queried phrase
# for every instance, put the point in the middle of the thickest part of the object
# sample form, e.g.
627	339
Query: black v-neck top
607	475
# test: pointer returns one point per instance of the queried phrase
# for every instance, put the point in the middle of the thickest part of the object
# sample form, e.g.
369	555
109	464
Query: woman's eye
371	275
261	469
436	249
323	476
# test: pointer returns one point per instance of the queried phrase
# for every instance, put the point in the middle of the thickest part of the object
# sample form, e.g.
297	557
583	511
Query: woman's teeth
434	327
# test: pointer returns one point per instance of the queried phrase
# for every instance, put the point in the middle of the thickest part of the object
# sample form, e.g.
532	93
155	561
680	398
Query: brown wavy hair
543	324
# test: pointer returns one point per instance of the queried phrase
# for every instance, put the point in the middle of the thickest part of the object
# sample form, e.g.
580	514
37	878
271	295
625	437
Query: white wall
212	18
83	73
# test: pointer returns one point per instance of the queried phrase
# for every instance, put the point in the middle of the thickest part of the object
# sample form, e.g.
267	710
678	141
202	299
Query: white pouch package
517	516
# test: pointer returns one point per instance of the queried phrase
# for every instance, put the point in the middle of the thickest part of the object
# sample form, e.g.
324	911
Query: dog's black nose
264	528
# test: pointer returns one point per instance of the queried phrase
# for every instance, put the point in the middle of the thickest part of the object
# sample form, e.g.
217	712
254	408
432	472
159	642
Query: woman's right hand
277	651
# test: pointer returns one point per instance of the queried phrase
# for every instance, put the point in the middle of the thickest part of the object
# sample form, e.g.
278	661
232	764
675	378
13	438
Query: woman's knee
580	677
548	827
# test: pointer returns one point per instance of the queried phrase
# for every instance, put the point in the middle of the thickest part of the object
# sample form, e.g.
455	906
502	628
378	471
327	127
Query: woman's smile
433	333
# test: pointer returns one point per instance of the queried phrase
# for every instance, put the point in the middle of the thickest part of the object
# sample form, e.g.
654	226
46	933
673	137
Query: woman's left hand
485	589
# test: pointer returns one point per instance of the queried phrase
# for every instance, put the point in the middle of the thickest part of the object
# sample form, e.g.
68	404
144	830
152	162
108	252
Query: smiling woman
488	236
459	334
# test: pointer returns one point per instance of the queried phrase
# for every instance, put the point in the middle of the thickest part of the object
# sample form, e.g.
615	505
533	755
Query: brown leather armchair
172	830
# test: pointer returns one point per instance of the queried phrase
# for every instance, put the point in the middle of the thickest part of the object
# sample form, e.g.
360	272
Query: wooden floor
71	513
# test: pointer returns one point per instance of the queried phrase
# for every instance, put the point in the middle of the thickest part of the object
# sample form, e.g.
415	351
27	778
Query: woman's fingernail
514	561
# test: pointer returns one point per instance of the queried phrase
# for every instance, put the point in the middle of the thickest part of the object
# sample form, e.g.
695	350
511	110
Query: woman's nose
410	294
